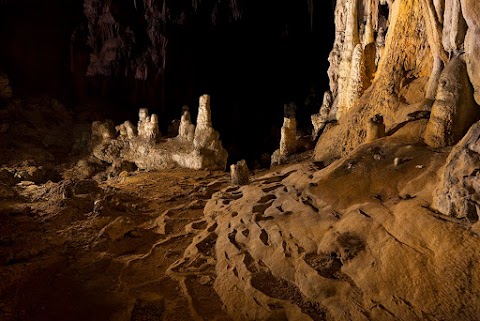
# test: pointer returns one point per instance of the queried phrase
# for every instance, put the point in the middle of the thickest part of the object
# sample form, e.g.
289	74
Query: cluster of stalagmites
195	147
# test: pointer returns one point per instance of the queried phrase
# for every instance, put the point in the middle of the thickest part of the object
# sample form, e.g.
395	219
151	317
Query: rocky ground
356	240
108	252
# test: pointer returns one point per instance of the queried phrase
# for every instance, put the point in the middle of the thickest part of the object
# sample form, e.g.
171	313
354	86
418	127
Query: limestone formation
197	148
454	109
357	81
346	24
239	173
415	41
454	27
355	54
143	119
208	150
375	128
130	130
103	130
471	14
458	193
186	129
126	130
152	132
288	141
288	136
204	133
121	130
319	120
380	45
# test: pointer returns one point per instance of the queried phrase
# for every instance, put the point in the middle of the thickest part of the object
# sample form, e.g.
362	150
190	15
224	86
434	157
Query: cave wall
34	44
421	38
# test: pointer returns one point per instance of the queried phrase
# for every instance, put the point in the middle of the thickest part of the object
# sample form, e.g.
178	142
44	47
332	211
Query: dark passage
251	60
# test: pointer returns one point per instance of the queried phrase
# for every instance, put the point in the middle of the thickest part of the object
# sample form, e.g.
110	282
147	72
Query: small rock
118	228
6	191
204	280
86	186
124	174
399	161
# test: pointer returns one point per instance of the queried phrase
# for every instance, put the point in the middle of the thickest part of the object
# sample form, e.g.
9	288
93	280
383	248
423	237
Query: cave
251	62
234	160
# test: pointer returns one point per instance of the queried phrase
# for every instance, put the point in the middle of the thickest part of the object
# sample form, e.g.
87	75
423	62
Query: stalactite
235	8
310	12
195	4
434	38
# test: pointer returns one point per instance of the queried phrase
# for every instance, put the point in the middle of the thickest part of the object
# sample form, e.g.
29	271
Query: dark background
251	67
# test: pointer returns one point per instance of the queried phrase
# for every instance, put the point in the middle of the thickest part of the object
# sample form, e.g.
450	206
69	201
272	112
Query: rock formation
205	135
208	151
103	130
186	129
375	128
319	120
197	148
458	192
378	226
454	109
414	41
288	139
239	173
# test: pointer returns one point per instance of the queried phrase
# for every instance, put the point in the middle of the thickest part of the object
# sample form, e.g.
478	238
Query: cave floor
356	240
108	256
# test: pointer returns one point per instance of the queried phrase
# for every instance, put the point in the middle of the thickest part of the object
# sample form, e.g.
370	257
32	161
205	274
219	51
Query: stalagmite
358	80
348	21
204	133
375	128
152	132
208	151
195	148
143	120
186	129
239	173
288	139
454	110
130	130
